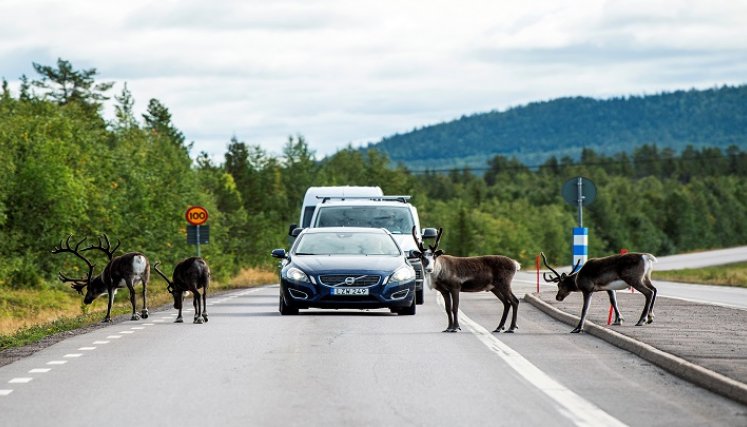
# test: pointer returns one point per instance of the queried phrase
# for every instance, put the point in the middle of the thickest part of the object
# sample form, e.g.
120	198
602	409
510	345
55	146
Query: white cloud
343	72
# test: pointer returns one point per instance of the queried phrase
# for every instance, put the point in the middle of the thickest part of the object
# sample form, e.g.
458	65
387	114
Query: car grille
339	279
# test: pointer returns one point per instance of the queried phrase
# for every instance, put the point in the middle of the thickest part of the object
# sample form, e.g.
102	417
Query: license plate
349	291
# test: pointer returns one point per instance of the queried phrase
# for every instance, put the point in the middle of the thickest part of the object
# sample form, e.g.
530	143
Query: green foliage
565	127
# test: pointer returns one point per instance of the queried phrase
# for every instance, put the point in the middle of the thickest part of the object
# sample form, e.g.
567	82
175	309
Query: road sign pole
197	230
580	201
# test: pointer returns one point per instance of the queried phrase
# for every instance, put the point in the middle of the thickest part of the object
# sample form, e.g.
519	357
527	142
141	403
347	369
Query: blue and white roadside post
580	191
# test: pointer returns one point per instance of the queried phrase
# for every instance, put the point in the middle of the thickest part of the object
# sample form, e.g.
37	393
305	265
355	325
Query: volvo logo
349	281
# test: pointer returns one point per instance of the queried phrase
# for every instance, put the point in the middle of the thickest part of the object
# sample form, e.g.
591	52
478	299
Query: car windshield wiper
305	253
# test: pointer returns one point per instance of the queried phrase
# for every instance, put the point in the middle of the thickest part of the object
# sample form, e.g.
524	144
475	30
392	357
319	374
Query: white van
315	195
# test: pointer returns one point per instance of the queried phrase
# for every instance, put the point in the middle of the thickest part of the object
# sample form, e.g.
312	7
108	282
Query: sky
348	73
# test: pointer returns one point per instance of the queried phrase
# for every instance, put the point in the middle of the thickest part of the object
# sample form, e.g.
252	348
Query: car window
346	244
397	220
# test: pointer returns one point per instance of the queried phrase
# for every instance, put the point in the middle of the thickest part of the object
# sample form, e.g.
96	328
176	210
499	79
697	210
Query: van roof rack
402	199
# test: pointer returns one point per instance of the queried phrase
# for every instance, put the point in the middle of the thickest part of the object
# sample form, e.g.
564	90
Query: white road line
101	342
39	370
148	324
113	337
126	332
5	392
72	355
579	410
57	362
20	380
87	348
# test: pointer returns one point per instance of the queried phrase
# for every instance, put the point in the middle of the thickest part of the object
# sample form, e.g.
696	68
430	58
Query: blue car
345	267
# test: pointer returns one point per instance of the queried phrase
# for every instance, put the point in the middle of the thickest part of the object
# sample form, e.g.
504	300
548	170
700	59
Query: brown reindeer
120	271
615	272
451	275
190	275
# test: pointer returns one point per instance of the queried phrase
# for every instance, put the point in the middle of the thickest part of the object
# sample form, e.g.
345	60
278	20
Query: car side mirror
291	228
279	253
296	231
430	233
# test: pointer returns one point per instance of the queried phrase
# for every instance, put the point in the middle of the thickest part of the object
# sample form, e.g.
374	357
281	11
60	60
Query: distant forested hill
564	127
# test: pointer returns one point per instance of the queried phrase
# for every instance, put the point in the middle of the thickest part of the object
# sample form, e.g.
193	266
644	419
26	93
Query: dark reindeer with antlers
451	275
120	271
193	275
615	272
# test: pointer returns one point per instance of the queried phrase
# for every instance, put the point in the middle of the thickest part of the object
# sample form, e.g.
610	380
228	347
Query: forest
67	170
561	127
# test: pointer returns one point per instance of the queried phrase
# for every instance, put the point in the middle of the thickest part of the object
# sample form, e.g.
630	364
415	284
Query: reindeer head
427	256
170	288
566	282
78	284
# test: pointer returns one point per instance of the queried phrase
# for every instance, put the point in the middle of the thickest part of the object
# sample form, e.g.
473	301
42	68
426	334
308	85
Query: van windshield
397	220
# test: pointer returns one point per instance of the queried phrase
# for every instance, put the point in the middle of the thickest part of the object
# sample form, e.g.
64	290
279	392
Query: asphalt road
251	366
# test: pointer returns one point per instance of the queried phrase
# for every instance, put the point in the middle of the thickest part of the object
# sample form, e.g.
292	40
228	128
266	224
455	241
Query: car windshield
346	244
394	218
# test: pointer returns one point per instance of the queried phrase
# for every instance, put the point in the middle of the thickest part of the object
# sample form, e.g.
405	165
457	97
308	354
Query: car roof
362	202
369	230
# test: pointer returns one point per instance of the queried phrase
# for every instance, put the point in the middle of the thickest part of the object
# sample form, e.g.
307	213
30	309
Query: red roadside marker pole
537	265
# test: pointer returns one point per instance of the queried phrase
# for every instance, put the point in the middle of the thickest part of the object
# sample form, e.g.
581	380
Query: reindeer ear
438	253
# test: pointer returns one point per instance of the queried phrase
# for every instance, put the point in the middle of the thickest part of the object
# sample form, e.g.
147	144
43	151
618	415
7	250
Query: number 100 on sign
197	215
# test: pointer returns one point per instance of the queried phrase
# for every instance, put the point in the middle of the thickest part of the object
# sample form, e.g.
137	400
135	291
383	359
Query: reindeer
121	271
192	274
609	274
451	275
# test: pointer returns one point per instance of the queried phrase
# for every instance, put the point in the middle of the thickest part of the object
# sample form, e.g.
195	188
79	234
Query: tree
66	85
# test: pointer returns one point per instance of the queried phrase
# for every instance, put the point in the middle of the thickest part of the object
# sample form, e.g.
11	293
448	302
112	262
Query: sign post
579	191
197	216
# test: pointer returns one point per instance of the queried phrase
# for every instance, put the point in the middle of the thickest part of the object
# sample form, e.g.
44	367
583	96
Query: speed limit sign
197	215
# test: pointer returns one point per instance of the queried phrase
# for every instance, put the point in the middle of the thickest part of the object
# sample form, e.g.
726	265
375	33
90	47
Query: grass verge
723	275
29	316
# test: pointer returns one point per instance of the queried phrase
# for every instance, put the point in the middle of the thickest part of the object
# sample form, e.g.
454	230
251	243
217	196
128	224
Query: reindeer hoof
498	329
135	317
511	331
198	321
640	323
617	322
107	320
144	314
204	316
179	320
577	331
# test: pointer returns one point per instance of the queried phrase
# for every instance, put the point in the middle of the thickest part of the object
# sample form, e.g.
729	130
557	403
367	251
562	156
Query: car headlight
403	274
296	275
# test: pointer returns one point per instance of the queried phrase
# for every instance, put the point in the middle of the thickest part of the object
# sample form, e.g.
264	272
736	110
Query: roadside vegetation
68	170
723	275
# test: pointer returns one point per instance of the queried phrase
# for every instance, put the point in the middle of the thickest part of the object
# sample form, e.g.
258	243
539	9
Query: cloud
342	72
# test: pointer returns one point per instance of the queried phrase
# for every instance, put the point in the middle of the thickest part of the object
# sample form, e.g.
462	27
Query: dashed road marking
138	328
101	342
72	355
126	332
23	380
5	392
113	337
57	362
87	348
39	370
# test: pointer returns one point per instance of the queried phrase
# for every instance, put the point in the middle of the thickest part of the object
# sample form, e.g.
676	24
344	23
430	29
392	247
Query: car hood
330	263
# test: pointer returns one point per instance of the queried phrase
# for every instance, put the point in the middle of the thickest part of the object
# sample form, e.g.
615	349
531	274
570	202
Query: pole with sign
580	191
197	232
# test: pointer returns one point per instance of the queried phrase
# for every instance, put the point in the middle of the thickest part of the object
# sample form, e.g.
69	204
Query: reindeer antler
78	284
170	286
438	240
544	275
106	249
418	242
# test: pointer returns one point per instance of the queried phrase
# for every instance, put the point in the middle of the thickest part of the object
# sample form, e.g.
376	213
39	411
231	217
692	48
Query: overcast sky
351	72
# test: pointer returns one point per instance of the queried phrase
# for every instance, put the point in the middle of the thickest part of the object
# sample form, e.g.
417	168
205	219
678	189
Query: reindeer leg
515	305
650	285
649	294
587	303
198	307
455	309
108	318
144	314
613	300
503	299
131	288
447	305
179	318
204	305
